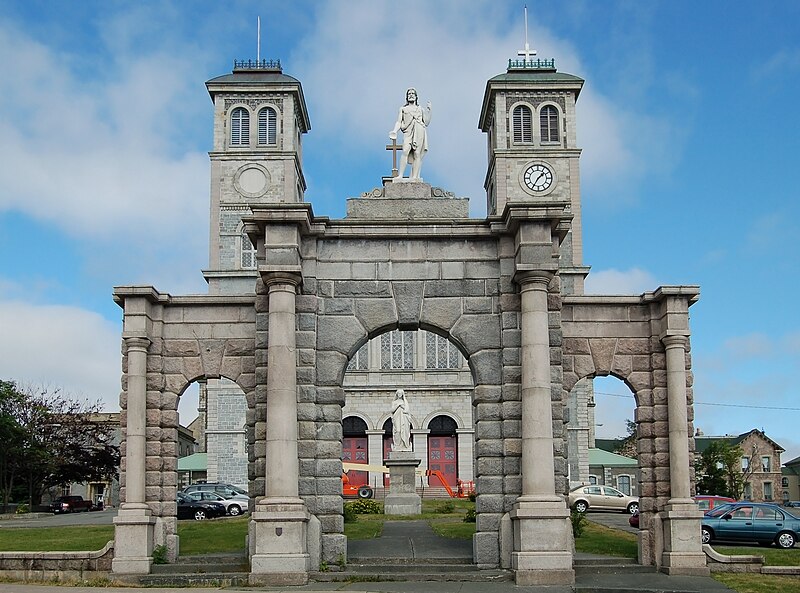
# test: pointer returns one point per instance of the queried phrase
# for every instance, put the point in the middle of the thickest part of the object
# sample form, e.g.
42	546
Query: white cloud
61	347
633	281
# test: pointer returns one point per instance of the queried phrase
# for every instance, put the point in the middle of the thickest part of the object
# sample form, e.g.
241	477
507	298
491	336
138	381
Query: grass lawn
218	535
598	539
772	556
758	583
73	538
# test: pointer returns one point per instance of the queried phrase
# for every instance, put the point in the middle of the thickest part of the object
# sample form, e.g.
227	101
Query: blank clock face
538	177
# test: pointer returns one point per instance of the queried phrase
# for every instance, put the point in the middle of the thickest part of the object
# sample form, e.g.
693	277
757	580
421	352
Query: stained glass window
248	253
360	362
440	353
397	350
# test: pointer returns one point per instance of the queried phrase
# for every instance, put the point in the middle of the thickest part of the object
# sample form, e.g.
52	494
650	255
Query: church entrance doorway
355	447
443	450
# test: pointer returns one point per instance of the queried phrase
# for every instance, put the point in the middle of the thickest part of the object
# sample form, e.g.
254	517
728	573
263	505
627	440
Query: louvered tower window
523	131
548	123
240	127
267	127
248	253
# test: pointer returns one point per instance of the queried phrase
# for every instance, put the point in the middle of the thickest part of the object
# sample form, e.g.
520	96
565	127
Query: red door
354	450
442	457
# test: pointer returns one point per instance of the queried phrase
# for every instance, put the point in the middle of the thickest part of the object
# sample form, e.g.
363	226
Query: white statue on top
401	422
413	121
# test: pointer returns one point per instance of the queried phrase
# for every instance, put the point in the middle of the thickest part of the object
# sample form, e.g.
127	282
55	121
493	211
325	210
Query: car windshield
720	510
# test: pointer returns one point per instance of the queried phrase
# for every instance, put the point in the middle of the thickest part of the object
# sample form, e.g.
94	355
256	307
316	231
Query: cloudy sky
688	124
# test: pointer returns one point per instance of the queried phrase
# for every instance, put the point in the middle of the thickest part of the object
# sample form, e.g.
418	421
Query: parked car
764	523
225	490
603	498
234	506
706	502
792	504
199	510
70	504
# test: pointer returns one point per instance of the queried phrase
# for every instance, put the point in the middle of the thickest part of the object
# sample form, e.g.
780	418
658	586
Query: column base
279	536
543	543
402	498
133	539
683	551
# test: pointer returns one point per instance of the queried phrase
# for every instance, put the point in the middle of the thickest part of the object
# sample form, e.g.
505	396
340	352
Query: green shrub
578	521
365	506
444	508
471	496
349	513
470	516
23	508
160	554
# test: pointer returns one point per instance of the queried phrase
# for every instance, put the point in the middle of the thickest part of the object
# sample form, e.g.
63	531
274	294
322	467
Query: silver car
603	498
234	505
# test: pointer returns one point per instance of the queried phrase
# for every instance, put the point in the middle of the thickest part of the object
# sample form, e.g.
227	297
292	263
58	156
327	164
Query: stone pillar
543	544
375	449
466	454
683	553
280	520
419	439
402	498
133	525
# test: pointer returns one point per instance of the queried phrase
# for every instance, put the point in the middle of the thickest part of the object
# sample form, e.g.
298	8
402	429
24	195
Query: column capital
136	343
273	280
675	341
533	279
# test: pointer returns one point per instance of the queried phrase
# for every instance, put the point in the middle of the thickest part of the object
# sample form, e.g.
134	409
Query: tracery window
240	127
548	123
267	126
397	350
523	130
248	259
440	353
360	361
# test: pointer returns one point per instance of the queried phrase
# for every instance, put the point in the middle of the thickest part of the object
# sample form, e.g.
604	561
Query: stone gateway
293	297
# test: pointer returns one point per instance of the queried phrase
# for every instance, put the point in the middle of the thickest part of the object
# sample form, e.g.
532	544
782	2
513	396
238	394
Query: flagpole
258	48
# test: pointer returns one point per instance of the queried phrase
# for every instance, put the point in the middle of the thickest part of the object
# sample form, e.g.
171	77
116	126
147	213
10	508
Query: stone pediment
407	200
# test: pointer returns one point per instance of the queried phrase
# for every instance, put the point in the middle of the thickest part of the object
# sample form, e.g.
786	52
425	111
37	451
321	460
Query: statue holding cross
413	121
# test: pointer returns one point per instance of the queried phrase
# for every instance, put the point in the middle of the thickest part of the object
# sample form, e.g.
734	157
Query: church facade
314	320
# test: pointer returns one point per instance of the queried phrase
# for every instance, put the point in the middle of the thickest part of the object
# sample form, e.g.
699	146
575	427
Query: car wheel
581	506
234	510
706	535
365	492
785	540
199	515
633	507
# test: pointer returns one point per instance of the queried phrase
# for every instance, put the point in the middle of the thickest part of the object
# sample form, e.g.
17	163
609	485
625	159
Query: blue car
751	522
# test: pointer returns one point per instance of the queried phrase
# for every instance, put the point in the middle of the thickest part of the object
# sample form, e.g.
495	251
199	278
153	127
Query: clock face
538	177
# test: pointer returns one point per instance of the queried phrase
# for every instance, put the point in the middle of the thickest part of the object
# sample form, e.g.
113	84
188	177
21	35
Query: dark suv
70	504
224	490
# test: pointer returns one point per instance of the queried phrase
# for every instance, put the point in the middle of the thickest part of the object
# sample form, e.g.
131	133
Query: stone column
466	454
133	525
542	553
375	449
280	521
683	553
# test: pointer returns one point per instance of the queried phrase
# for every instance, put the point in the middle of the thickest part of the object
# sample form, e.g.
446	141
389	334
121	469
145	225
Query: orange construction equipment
463	489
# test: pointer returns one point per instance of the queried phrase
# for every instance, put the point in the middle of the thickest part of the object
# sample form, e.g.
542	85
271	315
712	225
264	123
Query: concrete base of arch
543	543
282	536
133	540
683	551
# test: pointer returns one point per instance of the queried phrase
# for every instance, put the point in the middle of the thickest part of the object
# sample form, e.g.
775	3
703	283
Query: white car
603	498
234	506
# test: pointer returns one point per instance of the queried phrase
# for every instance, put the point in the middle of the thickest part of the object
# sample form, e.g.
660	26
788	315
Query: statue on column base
402	498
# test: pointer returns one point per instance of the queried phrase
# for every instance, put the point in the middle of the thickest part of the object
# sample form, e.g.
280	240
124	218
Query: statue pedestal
133	539
543	543
402	498
279	535
683	551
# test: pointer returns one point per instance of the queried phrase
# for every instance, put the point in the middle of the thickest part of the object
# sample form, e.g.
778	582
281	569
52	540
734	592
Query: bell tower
260	116
528	114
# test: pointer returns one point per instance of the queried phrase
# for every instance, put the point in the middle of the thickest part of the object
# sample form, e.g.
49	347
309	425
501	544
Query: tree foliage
627	444
50	439
719	469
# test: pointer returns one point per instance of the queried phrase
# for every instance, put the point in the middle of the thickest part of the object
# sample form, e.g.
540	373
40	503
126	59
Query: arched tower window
267	127
523	130
240	127
548	123
248	259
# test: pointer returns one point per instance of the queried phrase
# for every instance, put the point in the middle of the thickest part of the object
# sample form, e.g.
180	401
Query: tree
627	444
55	440
720	469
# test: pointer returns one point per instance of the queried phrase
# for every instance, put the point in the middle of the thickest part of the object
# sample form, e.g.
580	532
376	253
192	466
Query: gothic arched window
442	425
267	126
523	131
548	123
360	361
240	127
397	350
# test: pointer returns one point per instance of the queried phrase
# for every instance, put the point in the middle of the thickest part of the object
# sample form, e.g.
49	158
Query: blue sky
688	122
